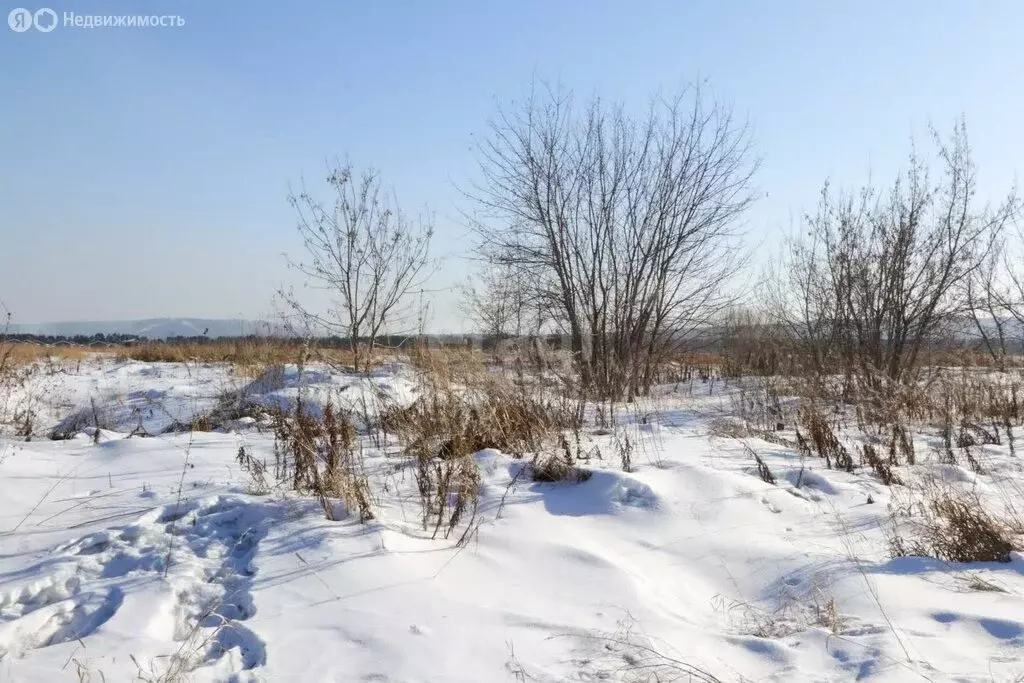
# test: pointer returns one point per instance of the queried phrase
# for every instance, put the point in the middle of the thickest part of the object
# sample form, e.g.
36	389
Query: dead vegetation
629	654
962	412
251	357
950	524
763	471
792	611
821	438
314	454
882	468
556	467
15	354
463	409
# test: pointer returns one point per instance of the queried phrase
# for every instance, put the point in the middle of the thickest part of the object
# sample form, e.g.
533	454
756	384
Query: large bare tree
622	225
362	249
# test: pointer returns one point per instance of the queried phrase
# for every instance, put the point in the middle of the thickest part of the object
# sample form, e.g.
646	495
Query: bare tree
875	278
991	308
996	294
622	226
499	302
365	251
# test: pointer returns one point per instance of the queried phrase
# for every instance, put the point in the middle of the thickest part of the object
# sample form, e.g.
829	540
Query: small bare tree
621	226
365	251
992	308
496	302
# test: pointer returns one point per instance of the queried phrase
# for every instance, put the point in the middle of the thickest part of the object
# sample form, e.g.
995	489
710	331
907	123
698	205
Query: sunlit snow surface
128	555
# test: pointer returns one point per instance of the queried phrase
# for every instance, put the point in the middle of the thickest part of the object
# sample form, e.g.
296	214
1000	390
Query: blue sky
144	171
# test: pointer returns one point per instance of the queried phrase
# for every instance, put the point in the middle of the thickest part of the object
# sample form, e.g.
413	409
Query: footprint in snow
204	551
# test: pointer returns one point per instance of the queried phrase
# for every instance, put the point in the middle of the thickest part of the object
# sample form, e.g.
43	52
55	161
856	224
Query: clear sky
144	171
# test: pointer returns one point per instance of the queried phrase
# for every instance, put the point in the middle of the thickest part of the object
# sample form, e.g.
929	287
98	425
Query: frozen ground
129	556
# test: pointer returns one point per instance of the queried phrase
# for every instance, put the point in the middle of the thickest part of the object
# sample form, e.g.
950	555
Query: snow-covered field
144	557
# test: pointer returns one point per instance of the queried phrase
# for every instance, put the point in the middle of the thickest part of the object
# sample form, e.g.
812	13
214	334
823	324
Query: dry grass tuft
452	419
881	468
449	493
556	467
318	456
763	471
951	525
793	613
821	437
465	408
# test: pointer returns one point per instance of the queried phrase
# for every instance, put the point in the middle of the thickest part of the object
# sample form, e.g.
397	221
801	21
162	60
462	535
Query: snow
127	556
153	398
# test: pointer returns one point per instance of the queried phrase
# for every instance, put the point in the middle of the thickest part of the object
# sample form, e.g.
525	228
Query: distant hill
153	328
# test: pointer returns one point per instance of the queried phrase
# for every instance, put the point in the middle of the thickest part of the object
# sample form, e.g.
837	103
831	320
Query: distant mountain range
165	328
152	328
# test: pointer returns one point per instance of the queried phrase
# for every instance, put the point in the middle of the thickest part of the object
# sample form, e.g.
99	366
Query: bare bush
752	345
877	279
501	304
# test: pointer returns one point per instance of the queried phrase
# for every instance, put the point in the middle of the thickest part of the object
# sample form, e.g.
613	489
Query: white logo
45	20
19	19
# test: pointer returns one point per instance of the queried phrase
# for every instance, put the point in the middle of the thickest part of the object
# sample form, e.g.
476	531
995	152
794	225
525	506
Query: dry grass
20	353
882	468
250	357
317	455
631	656
763	471
821	438
465	408
792	612
556	467
19	364
949	524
